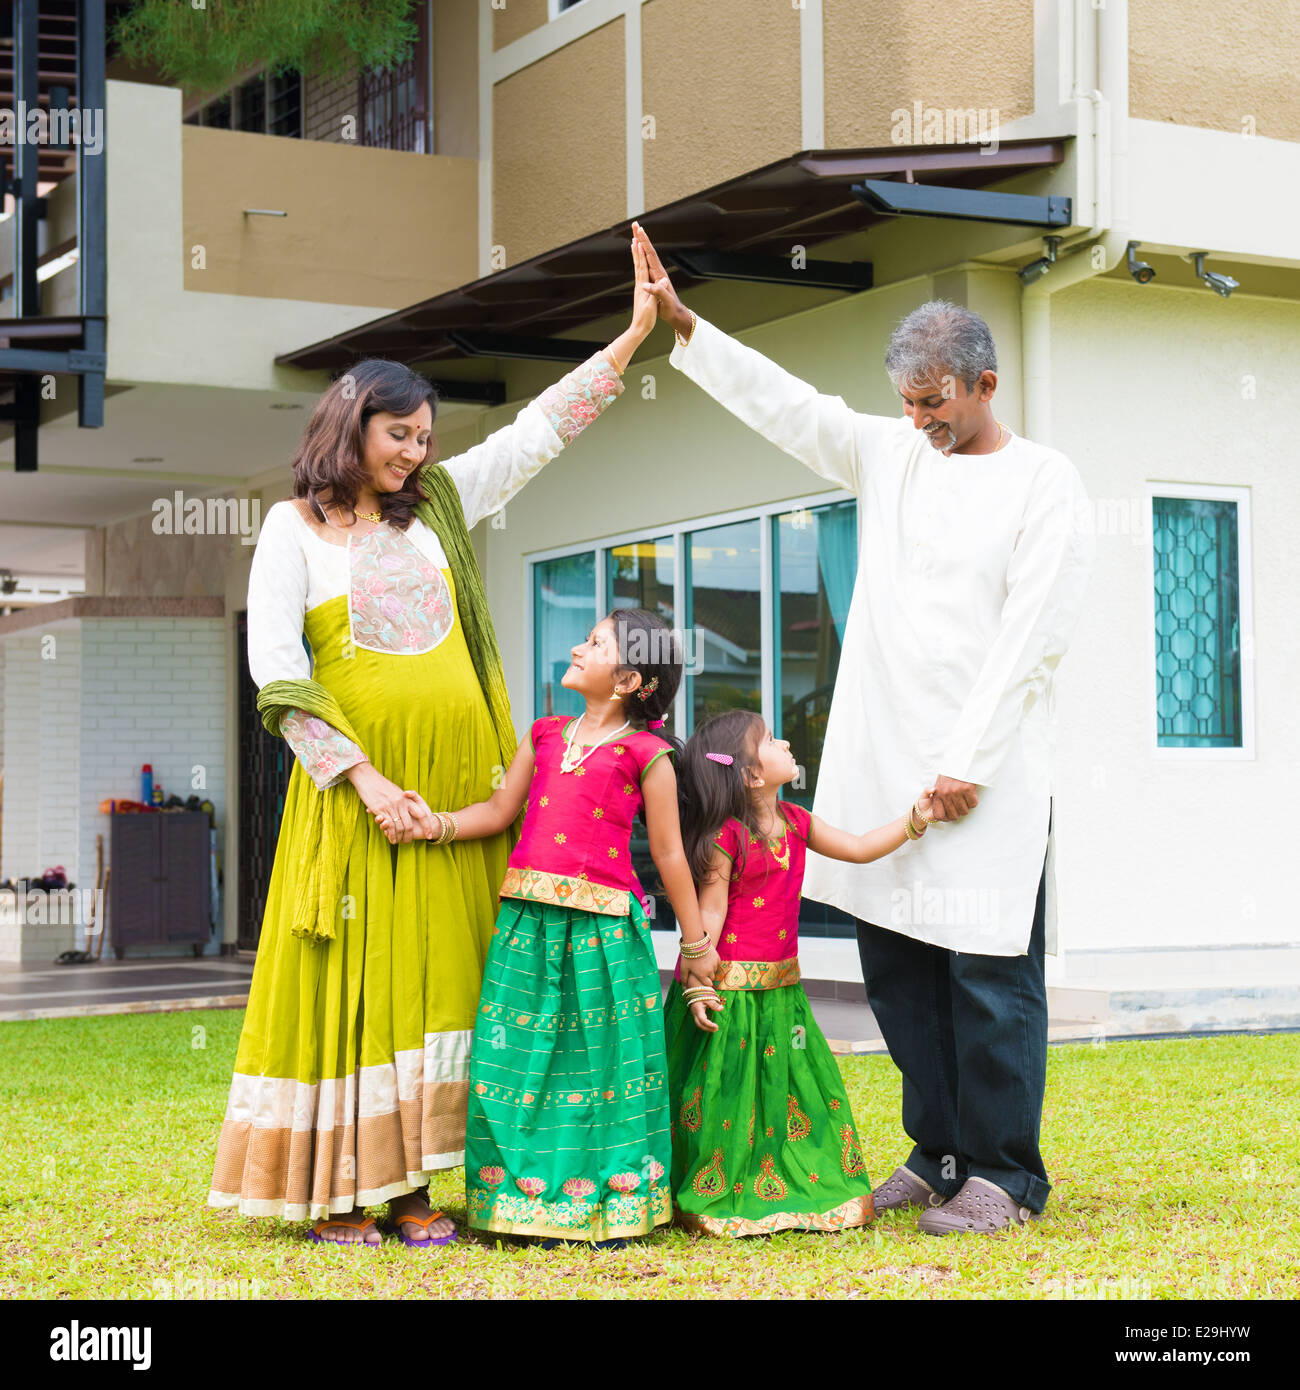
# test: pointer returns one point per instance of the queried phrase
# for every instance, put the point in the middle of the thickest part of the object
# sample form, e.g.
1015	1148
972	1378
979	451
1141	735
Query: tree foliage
206	43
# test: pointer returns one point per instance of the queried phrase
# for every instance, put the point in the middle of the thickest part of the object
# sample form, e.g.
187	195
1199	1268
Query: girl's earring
616	695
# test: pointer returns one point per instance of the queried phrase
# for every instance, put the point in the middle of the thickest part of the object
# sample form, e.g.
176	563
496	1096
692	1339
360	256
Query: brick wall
155	692
81	715
326	101
42	741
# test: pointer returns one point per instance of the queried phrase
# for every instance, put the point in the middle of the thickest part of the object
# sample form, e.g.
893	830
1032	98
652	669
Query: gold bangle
442	828
907	827
690	332
455	828
613	361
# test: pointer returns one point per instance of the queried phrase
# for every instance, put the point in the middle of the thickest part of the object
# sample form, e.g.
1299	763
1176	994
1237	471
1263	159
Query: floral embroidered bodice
398	600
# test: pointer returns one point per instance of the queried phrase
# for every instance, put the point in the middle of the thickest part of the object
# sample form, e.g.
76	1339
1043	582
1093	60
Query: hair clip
648	688
655	723
725	758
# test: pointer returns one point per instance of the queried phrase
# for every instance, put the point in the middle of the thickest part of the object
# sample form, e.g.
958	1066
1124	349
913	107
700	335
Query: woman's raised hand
670	308
645	307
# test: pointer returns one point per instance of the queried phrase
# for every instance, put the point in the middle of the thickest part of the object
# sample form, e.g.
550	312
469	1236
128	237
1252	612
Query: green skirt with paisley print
567	1132
763	1139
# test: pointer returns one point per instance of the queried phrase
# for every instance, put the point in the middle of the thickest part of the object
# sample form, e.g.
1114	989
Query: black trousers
969	1034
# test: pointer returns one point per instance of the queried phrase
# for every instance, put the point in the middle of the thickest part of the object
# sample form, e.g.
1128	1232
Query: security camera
1035	270
1222	285
1139	270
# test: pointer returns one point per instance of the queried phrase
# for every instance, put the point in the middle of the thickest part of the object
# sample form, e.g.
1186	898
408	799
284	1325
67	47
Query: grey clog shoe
979	1206
902	1188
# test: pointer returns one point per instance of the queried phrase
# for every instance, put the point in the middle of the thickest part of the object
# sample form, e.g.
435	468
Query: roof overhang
807	198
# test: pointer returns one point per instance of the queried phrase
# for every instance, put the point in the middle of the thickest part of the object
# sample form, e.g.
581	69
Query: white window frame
1246	618
553	10
677	531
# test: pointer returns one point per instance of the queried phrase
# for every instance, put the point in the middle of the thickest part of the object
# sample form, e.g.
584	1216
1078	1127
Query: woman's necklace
363	516
568	759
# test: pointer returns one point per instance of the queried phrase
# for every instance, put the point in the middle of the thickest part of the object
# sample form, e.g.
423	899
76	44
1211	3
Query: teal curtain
837	558
1198	623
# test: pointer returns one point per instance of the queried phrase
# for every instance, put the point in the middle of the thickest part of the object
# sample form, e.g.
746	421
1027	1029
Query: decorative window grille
1198	627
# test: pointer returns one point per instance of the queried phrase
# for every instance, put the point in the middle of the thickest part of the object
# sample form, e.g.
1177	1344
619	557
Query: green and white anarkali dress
352	1072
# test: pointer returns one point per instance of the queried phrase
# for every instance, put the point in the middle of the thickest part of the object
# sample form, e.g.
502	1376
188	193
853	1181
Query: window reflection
724	595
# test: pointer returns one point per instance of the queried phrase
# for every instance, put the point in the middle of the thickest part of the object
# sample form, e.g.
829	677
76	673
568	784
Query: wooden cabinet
159	890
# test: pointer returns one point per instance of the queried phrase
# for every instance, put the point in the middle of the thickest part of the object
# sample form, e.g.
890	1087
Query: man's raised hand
671	309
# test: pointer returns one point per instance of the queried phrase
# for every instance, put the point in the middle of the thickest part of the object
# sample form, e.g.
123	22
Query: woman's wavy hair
710	793
329	457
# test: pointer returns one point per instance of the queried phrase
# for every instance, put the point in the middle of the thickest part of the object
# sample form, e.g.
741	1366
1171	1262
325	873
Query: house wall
882	56
559	163
1220	67
713	119
1156	384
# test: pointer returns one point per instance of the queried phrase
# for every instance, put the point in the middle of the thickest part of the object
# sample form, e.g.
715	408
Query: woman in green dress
351	1077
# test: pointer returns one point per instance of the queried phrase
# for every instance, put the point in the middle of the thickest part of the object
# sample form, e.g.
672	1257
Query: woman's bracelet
696	950
613	360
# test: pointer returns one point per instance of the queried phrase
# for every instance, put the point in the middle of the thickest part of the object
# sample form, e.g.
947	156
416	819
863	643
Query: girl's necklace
782	859
568	759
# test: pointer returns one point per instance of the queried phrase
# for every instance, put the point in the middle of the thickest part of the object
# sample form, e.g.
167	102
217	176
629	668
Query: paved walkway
123	987
156	986
1108	994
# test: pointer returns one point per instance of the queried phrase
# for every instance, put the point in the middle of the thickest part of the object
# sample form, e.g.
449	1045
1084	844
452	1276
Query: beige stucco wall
338	199
883	55
455	79
722	83
515	19
1199	63
560	162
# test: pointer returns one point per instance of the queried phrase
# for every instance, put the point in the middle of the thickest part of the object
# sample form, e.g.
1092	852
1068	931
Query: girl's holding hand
763	1135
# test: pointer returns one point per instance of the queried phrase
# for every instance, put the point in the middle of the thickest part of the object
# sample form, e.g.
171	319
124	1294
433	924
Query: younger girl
763	1137
567	1133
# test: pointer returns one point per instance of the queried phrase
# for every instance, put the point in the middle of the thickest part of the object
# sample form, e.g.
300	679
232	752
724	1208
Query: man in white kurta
971	572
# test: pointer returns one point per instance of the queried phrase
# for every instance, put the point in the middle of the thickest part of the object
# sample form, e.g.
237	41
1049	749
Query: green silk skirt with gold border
567	1132
763	1138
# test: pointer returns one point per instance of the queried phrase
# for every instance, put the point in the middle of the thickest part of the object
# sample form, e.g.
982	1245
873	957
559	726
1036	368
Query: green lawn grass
1174	1166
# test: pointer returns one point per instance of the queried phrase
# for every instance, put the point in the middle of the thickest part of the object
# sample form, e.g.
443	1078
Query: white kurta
971	573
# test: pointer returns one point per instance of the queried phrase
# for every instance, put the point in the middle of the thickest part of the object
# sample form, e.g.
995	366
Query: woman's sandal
346	1220
426	1222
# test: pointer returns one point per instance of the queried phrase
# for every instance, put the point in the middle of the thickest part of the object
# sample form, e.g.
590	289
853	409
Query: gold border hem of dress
554	1231
862	1210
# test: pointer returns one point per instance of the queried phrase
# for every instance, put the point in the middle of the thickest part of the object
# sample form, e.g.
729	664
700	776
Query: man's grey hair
938	339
